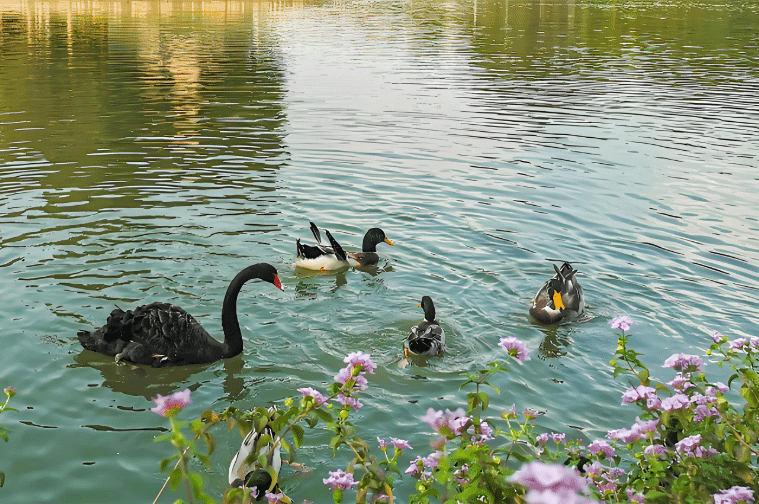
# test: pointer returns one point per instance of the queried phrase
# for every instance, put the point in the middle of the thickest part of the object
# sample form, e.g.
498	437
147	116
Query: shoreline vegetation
690	443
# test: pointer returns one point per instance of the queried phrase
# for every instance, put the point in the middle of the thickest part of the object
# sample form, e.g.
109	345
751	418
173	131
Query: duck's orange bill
277	283
387	240
557	302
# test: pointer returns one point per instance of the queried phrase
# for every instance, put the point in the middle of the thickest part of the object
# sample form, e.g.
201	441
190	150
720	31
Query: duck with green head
333	257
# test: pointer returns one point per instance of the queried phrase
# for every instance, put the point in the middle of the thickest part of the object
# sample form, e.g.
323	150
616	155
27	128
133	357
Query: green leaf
298	434
211	442
196	425
204	459
175	478
2	478
164	464
196	483
323	414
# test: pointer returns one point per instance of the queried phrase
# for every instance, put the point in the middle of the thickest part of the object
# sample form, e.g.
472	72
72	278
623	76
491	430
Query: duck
162	334
426	338
560	299
368	255
245	471
323	258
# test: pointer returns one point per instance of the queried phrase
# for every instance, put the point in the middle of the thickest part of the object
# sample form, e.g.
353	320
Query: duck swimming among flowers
333	257
245	470
561	298
427	337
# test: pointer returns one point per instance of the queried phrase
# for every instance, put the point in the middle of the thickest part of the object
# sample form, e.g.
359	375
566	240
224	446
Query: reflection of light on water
42	10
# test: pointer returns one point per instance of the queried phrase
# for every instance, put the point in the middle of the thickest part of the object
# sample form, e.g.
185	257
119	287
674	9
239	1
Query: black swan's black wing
157	330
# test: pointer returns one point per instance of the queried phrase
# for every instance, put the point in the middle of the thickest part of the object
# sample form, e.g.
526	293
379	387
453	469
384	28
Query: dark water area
150	150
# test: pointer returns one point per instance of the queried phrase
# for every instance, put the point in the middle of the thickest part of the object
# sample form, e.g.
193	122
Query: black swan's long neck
229	322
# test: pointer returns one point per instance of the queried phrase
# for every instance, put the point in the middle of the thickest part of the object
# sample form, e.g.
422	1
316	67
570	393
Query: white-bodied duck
326	258
245	471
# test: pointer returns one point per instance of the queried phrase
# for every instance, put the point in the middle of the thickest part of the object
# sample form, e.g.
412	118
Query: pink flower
400	444
382	443
346	374
599	447
635	497
510	413
550	483
542	438
557	437
734	495
450	419
676	402
170	405
690	446
594	470
516	349
274	498
319	398
340	480
716	337
9	391
530	413
655	450
639	430
702	411
364	359
680	382
684	362
417	465
718	386
738	343
637	393
623	323
350	401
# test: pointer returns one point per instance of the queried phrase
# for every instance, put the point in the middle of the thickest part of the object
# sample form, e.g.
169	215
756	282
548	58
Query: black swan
161	334
560	298
426	338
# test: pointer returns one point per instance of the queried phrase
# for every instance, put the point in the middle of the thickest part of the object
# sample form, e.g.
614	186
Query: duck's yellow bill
405	352
557	302
387	240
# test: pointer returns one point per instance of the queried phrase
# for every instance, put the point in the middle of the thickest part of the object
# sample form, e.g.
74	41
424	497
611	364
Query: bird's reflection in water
148	382
554	344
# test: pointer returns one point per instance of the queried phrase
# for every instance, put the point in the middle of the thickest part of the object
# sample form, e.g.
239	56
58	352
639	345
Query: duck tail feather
316	233
339	252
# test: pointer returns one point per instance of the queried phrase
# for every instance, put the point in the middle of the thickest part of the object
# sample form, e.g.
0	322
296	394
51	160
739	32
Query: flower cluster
734	495
455	423
556	437
548	483
399	444
352	378
340	480
419	464
624	323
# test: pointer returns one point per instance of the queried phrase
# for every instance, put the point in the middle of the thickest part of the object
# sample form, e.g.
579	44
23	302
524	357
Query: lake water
150	150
